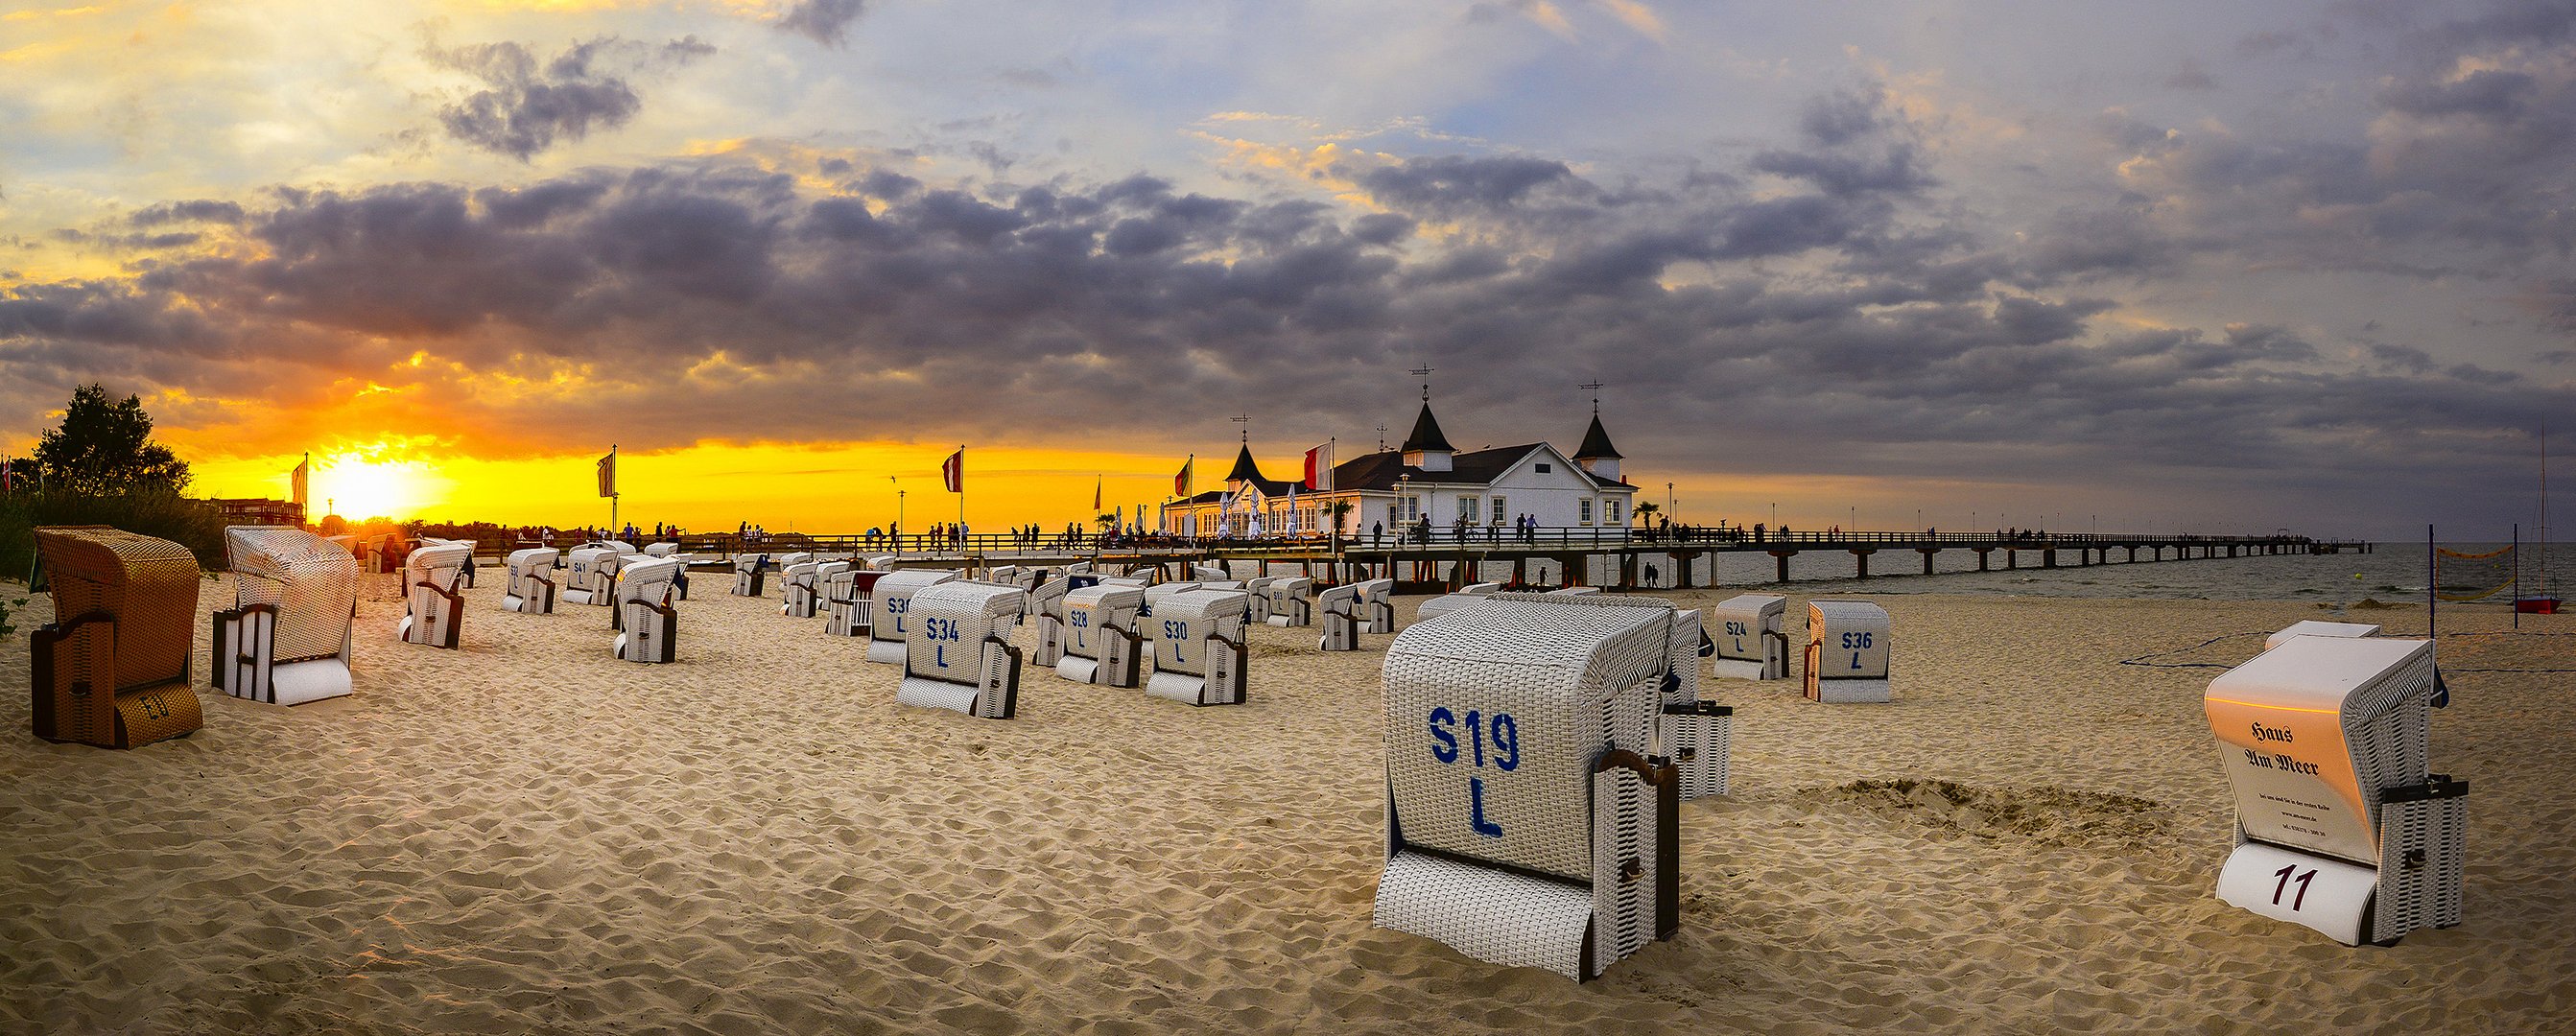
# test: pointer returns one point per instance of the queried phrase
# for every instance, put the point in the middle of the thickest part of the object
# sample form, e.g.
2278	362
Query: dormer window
1545	467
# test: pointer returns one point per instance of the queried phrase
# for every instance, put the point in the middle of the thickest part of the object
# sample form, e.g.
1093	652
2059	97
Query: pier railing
1436	538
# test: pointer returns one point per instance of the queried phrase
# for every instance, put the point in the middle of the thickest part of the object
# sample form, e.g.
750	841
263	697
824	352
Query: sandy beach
527	835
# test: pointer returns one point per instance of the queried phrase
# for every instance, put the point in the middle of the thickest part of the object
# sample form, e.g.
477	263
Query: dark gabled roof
1606	482
1426	434
1596	443
1244	469
1383	470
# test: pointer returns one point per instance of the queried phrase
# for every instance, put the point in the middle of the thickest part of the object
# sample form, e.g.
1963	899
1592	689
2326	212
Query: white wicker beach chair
433	598
1750	644
1376	609
2340	824
1468	595
1078	568
1210	573
648	627
1045	607
802	589
881	562
888	602
1290	601
1528	822
532	586
958	652
1259	588
750	571
1100	642
664	549
470	547
1573	591
846	596
2314	628
1847	649
1339	606
286	639
1198	651
591	576
1156	593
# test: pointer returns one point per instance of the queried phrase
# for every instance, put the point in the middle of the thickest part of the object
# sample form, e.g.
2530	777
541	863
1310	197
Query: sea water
2393	573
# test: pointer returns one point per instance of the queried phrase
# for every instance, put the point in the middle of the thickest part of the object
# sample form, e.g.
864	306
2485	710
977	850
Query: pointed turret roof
1596	442
1244	469
1426	434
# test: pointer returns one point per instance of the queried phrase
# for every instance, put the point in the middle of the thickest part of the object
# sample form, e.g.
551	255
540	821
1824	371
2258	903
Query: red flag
1319	467
1181	482
953	471
1095	494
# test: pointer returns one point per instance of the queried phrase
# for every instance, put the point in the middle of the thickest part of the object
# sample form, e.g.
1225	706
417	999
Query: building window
1584	510
1498	510
1610	508
1545	467
1412	508
1467	509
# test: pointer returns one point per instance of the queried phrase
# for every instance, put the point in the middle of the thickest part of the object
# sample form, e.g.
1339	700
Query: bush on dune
194	524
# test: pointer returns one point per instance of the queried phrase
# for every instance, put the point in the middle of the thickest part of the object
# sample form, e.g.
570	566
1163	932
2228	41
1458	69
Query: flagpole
962	549
613	492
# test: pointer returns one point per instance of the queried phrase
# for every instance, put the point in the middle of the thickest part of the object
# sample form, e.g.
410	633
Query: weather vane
1424	372
1593	387
1246	422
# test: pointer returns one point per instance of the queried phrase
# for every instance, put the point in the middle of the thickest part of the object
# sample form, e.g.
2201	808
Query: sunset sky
2223	266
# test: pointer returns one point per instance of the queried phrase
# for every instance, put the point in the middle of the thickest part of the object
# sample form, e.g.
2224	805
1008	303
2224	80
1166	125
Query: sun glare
355	487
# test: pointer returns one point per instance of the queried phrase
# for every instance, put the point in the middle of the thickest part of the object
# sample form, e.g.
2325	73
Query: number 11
2284	885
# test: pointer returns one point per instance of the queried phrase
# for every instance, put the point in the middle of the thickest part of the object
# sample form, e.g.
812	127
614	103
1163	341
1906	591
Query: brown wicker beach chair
112	668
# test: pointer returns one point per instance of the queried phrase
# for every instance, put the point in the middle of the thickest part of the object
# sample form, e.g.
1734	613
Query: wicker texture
1491	915
531	587
958	636
749	572
1576	678
1376	608
311	582
649	627
1290	601
1340	608
887	605
1198	658
2423	859
433	601
1158	592
1848	648
1467	596
112	669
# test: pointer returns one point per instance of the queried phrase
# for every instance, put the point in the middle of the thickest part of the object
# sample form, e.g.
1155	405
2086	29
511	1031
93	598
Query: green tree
106	447
1645	512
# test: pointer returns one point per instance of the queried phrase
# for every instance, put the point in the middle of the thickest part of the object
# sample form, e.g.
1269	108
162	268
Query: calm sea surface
2394	573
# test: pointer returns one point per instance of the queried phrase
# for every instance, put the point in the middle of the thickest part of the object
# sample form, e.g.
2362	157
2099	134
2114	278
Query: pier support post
1985	556
1927	553
1783	556
2048	557
2012	558
1861	558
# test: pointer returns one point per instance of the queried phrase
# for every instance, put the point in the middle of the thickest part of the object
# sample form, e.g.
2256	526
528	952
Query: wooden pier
1443	559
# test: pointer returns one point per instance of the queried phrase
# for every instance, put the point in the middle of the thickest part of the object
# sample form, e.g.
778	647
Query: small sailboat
2540	601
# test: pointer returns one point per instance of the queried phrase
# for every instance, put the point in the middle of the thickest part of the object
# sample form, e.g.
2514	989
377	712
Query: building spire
1593	387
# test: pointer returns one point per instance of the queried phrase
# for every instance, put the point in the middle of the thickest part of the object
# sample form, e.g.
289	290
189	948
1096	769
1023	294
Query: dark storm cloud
526	107
824	21
1833	327
200	211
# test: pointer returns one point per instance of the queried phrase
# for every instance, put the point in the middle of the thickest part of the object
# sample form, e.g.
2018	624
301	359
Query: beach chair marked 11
1198	655
111	670
433	595
957	649
1528	822
2340	825
1847	649
1749	640
648	627
287	638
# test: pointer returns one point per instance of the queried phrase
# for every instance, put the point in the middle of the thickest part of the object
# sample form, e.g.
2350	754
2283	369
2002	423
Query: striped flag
1181	482
299	477
608	472
1319	468
952	471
